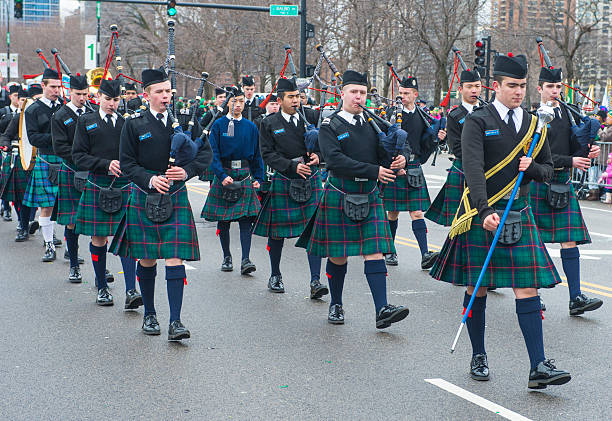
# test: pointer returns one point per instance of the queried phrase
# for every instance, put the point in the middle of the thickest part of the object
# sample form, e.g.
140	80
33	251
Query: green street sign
283	10
98	8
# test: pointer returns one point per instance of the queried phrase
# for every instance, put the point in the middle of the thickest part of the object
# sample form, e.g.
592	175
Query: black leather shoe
247	267
542	303
110	278
133	300
49	255
336	315
74	276
227	265
104	297
275	284
428	259
317	290
67	257
34	225
150	325
176	331
56	241
546	374
391	259
22	235
390	314
582	303
479	368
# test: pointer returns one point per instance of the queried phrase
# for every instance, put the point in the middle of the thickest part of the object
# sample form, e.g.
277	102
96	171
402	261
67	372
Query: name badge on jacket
145	136
67	122
492	132
279	131
343	136
91	126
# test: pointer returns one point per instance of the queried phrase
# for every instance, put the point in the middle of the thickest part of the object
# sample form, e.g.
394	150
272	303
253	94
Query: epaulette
455	111
479	111
137	114
325	121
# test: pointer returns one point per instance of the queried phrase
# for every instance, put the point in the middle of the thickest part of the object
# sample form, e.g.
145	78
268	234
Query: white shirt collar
14	109
164	120
47	101
229	117
75	108
287	117
350	118
503	113
469	107
103	116
219	108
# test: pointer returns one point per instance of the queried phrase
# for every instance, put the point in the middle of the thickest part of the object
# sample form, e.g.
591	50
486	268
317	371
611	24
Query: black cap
286	85
22	93
510	66
550	75
110	88
470	76
351	77
409	82
50	74
78	82
248	81
35	89
153	76
14	89
219	91
236	91
130	87
273	98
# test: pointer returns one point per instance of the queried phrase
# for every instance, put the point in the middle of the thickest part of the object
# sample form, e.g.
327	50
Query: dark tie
52	104
557	113
293	120
109	119
160	117
511	121
357	119
79	112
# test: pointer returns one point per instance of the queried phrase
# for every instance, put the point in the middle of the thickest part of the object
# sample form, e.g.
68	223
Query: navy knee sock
420	232
175	279
393	226
529	314
376	274
335	275
246	226
146	279
98	259
476	322
275	248
72	245
24	216
223	232
129	272
314	263
570	259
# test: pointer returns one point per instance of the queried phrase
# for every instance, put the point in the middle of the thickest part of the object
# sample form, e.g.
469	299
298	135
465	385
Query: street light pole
8	42
98	13
303	39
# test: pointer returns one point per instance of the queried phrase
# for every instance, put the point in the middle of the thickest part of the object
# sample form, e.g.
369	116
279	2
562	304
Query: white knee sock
46	226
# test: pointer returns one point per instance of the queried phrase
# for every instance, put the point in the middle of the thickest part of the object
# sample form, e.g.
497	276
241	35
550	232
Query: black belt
358	179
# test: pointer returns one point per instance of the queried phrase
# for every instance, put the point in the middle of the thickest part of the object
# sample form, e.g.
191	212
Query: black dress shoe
428	259
542	303
104	297
391	259
133	299
56	241
479	368
546	374
110	278
150	325
22	235
227	265
275	284
75	275
176	331
67	257
49	255
34	225
582	303
390	314
317	290
247	267
336	315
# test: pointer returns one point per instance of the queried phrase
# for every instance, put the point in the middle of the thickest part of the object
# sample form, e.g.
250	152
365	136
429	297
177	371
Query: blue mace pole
545	116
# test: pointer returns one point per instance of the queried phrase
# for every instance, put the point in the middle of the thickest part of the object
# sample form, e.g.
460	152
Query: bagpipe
67	71
459	62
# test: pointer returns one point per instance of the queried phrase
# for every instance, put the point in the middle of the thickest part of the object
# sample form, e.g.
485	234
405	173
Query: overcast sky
68	6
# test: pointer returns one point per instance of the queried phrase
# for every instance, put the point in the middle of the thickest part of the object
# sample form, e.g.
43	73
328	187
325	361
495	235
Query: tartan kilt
525	264
90	219
16	182
281	216
40	191
558	225
68	197
218	209
208	175
399	197
444	207
330	233
140	238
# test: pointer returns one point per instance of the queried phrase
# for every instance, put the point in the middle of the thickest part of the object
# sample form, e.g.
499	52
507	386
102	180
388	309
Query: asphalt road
256	355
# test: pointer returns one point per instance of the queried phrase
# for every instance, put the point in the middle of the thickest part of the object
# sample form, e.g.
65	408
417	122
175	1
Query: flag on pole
569	94
605	101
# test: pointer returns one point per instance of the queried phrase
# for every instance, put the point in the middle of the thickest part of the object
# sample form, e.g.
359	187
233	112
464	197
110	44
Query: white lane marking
583	254
600	234
477	400
435	177
596	209
412	292
189	267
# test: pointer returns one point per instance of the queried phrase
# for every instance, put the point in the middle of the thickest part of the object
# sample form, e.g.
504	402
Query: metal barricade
590	180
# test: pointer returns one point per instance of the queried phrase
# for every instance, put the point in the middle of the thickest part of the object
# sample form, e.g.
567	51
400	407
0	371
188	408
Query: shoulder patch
326	120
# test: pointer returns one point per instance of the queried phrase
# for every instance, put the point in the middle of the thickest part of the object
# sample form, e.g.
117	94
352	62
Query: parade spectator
605	136
606	179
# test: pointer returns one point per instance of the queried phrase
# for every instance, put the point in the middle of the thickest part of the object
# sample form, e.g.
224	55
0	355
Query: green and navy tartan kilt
90	219
40	191
399	197
558	225
444	207
330	233
17	184
68	197
525	264
218	209
281	216
208	175
140	238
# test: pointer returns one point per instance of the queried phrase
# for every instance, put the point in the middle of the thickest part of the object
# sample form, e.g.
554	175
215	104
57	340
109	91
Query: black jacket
96	143
38	122
63	126
454	126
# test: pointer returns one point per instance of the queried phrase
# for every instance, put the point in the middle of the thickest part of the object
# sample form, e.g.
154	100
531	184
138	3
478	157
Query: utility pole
98	14
8	43
303	38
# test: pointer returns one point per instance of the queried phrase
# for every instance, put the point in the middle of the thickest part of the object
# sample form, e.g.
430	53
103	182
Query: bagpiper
8	113
207	121
251	102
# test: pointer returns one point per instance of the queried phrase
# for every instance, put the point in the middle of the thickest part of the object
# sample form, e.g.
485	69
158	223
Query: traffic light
480	53
18	9
171	7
